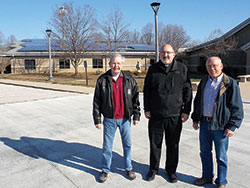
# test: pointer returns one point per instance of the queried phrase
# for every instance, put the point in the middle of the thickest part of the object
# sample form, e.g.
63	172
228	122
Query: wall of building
42	65
248	61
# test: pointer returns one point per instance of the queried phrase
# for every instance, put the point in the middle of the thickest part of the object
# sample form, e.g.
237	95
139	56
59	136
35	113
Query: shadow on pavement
80	156
76	155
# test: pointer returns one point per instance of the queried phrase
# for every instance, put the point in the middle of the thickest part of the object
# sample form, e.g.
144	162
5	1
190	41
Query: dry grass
67	78
71	79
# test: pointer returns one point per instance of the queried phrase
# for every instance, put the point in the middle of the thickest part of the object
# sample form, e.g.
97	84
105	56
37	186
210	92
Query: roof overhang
224	37
246	46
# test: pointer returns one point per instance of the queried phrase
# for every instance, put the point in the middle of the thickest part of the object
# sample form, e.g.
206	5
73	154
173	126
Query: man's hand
184	117
196	125
228	133
147	114
98	126
135	122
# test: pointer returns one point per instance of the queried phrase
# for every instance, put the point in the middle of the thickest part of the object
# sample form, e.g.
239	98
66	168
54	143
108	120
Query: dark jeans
172	127
208	138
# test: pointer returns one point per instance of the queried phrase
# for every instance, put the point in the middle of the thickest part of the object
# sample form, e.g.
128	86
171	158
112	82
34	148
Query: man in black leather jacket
167	104
117	99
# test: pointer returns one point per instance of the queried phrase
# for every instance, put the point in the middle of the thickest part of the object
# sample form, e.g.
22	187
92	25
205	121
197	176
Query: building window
64	64
97	63
29	64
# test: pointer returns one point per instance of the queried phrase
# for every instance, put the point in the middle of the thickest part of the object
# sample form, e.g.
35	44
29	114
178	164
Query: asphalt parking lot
47	139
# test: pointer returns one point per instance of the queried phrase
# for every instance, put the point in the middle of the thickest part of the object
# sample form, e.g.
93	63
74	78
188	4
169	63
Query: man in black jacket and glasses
167	104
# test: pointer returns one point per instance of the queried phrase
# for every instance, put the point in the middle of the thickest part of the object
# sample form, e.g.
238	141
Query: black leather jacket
103	102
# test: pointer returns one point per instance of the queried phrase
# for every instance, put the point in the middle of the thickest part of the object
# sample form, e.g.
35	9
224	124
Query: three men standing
167	104
218	111
117	99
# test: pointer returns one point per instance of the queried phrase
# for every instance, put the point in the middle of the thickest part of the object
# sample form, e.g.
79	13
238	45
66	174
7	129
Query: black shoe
103	177
203	181
131	174
150	176
172	177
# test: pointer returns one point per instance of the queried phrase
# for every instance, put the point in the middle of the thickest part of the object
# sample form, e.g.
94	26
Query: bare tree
147	36
174	35
11	39
2	38
134	37
214	34
114	29
220	46
193	43
73	30
161	33
2	41
39	65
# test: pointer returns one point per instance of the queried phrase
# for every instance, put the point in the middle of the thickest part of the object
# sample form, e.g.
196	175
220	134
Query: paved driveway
47	139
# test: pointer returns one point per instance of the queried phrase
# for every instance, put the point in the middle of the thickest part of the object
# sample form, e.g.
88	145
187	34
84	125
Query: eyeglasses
167	52
213	66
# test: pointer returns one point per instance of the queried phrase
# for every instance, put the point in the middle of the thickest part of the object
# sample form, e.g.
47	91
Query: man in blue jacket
218	111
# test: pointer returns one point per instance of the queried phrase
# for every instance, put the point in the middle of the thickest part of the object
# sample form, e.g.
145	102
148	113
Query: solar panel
42	45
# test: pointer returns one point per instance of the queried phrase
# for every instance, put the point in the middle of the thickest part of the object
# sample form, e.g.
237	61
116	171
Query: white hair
117	55
208	60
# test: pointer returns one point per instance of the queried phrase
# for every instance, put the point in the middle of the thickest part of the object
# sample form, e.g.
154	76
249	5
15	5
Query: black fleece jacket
167	91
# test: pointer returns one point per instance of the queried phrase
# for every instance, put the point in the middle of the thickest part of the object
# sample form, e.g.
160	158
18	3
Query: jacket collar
109	74
223	86
173	65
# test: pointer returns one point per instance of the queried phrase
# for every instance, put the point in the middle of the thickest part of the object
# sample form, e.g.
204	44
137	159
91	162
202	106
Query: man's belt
208	119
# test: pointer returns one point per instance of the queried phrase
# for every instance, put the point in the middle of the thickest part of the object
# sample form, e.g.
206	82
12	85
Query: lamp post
14	63
155	6
48	31
62	12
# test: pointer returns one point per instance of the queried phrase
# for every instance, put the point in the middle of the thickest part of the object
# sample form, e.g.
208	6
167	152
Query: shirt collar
217	79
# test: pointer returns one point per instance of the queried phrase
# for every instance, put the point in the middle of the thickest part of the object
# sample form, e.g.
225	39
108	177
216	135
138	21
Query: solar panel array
31	45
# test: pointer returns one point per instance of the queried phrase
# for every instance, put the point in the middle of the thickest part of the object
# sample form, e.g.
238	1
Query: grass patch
72	79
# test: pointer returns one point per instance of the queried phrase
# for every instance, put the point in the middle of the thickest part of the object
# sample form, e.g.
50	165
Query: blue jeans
110	126
207	137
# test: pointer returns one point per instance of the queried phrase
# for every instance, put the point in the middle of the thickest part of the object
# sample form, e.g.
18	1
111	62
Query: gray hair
208	59
117	55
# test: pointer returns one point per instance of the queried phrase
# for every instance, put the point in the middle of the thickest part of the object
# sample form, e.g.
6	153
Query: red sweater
117	95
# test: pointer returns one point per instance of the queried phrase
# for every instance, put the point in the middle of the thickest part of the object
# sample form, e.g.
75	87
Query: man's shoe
103	177
202	181
131	174
221	186
150	176
172	177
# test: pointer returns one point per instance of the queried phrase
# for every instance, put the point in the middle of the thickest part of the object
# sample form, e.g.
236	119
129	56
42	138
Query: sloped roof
225	36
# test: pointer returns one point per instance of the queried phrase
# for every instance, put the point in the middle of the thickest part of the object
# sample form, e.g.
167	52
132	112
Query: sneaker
103	177
131	174
150	176
202	181
172	177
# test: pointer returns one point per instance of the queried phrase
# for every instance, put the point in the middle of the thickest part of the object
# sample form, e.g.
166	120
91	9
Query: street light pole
14	63
62	12
155	6
48	31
